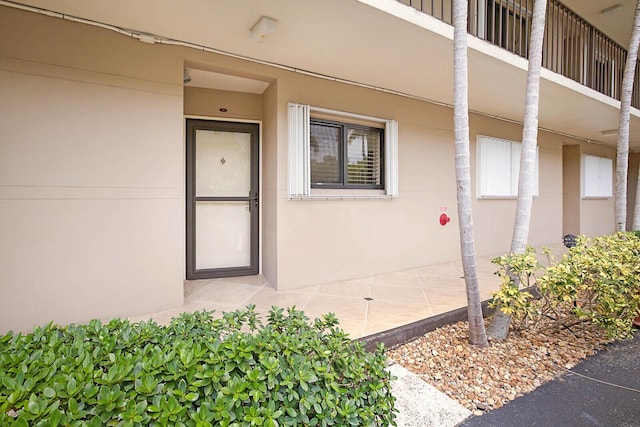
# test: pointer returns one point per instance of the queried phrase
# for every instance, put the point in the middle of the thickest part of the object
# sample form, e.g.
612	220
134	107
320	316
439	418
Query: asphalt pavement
603	390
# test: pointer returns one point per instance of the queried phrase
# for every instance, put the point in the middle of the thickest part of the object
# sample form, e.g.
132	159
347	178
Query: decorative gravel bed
483	379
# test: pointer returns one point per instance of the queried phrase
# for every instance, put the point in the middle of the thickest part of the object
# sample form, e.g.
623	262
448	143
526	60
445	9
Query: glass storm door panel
223	235
222	199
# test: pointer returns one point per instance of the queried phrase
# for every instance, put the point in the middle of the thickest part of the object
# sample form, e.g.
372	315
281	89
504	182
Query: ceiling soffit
350	40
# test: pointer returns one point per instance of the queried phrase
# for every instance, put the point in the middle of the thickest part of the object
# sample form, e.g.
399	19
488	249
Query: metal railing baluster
572	47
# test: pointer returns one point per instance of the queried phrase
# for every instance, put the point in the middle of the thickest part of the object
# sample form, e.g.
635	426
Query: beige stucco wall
92	177
314	241
326	240
571	167
270	166
494	218
208	103
590	217
341	239
91	173
597	215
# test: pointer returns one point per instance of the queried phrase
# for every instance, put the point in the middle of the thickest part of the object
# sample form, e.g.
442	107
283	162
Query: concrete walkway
364	306
422	405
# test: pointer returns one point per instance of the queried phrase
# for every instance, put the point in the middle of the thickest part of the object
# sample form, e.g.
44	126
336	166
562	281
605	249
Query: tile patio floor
363	306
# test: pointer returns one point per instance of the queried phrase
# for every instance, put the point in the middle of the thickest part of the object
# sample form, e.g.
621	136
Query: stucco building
150	142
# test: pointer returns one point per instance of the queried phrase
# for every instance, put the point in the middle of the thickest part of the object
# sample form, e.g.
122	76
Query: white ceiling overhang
383	44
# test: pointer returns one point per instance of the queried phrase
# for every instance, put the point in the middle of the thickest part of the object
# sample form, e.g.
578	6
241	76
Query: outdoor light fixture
611	9
186	78
609	132
263	28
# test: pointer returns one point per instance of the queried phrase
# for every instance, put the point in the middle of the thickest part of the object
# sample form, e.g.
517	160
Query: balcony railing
572	47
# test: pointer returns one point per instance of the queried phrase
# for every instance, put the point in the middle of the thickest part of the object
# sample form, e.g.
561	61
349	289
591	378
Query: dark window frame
344	158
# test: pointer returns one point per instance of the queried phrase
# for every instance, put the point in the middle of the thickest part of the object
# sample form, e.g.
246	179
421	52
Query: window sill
502	197
345	197
328	194
497	197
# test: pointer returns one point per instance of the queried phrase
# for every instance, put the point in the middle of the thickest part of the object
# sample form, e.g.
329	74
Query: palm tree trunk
477	333
529	132
500	322
622	158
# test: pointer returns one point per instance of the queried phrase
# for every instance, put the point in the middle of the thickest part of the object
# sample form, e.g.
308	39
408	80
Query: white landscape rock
422	405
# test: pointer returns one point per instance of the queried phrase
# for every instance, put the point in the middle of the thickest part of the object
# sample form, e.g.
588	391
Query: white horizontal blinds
516	149
494	168
391	157
325	153
597	176
299	176
499	168
364	157
606	177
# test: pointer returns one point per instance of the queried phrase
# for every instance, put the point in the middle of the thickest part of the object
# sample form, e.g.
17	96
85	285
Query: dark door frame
253	129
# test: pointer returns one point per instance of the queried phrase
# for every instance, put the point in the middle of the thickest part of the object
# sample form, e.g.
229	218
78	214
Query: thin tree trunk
477	333
636	209
622	158
500	322
528	152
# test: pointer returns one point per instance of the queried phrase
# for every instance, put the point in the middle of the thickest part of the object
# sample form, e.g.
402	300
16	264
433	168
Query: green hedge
197	371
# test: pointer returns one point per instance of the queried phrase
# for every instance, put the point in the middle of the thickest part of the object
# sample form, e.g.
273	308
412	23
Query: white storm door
222	199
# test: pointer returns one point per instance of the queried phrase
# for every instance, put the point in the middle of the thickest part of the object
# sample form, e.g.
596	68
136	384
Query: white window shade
597	177
300	148
494	168
498	168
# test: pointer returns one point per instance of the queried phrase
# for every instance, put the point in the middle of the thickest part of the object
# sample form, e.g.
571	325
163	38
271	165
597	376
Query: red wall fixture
444	219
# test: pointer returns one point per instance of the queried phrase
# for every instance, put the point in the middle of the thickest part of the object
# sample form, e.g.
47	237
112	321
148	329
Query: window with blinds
498	168
597	177
345	156
364	157
341	152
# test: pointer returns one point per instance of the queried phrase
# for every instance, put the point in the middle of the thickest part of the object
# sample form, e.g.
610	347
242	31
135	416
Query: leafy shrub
517	275
197	371
597	281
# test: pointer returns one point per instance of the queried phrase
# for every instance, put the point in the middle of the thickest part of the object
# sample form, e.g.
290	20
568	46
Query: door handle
253	201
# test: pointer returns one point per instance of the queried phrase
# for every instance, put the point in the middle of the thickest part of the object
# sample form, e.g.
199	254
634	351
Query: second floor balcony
572	46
